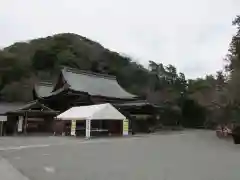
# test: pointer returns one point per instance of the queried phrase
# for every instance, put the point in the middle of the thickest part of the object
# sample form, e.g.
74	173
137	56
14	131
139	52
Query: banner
20	124
125	127
73	128
88	128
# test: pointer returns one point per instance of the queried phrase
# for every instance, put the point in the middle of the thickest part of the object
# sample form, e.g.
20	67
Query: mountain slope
24	63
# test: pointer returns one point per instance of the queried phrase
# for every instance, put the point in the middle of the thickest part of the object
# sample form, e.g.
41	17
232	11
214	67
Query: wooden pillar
1	128
25	123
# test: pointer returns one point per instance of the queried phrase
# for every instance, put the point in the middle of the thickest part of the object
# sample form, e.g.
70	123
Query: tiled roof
133	103
94	84
34	104
44	89
137	103
7	107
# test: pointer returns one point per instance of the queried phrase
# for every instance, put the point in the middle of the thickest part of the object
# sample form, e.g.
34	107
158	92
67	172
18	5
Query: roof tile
94	83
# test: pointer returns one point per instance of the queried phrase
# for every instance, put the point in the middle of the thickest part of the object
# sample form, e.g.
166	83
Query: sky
193	35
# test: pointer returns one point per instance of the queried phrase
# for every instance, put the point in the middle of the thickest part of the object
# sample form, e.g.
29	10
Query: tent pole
88	128
25	124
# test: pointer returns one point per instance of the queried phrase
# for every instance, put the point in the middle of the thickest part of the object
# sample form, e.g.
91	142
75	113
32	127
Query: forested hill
24	63
216	97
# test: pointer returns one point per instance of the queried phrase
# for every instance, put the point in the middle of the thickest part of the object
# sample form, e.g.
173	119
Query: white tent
92	112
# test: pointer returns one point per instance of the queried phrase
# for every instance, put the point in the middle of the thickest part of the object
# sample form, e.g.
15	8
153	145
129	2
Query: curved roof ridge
45	83
89	73
95	84
43	88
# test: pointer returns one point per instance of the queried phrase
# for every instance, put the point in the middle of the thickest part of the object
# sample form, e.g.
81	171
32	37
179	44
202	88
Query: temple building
75	87
78	88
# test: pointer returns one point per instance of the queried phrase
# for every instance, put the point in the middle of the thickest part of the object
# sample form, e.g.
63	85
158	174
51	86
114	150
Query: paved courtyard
186	155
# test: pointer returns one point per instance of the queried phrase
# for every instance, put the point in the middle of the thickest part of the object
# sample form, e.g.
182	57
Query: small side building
7	126
33	117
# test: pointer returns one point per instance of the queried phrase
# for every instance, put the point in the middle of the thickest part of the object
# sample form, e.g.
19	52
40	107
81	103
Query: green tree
44	60
10	68
234	62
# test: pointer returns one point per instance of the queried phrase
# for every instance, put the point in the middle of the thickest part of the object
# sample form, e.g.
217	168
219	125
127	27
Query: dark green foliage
211	97
166	79
47	55
10	68
220	95
233	69
193	115
44	60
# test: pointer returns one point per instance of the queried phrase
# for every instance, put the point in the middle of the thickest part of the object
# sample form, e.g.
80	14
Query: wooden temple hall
75	88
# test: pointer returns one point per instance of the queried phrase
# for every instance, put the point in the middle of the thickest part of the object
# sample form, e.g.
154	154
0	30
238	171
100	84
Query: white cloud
194	35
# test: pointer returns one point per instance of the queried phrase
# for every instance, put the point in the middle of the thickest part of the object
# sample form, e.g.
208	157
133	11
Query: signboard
3	118
73	128
88	128
125	127
20	124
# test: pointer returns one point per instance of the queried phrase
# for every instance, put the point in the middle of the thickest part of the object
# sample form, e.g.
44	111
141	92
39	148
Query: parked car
223	131
236	134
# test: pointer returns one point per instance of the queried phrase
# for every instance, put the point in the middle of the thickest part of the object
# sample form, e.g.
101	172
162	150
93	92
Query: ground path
186	155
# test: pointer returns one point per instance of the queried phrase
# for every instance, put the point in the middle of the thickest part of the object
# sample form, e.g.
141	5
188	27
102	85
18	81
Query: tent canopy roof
93	112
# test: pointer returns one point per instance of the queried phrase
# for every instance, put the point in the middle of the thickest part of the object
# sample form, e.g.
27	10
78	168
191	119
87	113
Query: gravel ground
186	155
